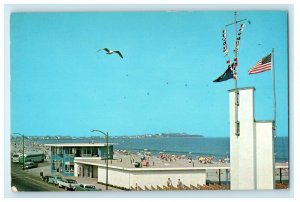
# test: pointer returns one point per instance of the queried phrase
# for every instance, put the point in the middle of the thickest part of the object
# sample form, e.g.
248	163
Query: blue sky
61	86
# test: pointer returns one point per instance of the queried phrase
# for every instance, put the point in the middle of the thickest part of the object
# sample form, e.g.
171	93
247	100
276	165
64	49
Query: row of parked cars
30	164
69	184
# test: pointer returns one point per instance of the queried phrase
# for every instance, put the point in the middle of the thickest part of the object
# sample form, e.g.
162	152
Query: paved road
25	181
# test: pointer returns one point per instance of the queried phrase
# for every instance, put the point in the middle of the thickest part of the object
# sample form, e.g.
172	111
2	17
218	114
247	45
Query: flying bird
111	51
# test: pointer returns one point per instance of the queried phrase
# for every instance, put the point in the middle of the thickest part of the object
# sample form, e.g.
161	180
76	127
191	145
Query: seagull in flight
111	51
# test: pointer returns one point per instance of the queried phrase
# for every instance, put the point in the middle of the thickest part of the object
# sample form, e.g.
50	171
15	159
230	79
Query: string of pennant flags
264	64
225	46
232	67
237	42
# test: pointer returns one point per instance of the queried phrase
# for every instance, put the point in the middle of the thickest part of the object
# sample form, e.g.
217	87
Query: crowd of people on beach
147	156
205	160
164	157
168	157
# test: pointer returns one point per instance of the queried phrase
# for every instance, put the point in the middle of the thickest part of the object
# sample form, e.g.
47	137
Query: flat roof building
64	154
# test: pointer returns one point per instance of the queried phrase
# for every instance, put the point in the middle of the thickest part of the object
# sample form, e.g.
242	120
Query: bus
15	157
34	157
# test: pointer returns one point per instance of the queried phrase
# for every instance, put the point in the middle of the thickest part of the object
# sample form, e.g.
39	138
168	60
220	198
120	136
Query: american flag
262	65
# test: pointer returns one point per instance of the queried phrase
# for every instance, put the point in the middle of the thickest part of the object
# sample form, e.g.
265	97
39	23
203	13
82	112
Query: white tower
251	145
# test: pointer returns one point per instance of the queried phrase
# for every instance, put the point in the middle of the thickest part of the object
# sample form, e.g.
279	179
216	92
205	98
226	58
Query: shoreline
16	147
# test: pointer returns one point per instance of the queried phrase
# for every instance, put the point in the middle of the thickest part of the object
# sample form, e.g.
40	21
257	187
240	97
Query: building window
70	151
77	152
95	152
69	168
58	151
56	165
87	152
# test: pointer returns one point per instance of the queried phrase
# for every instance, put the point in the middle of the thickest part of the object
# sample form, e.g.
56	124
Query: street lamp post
106	136
23	149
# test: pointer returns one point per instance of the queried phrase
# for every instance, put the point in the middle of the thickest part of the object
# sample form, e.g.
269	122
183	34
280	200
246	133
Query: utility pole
23	153
107	151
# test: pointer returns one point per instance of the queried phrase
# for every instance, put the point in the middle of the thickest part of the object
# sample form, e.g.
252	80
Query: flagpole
234	71
274	126
235	81
274	91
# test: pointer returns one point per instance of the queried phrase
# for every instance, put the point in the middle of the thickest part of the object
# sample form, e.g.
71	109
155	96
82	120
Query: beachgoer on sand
179	184
42	173
169	182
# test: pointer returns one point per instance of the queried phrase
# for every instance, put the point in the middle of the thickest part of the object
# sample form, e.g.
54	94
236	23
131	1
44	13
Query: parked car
46	178
67	184
28	165
86	187
15	157
54	179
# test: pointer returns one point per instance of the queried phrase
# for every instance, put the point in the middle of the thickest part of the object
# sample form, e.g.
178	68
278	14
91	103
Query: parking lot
45	167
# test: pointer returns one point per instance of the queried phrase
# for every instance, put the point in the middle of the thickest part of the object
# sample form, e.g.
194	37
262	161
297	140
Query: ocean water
191	146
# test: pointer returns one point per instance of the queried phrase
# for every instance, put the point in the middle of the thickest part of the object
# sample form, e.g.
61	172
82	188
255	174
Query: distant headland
162	135
158	135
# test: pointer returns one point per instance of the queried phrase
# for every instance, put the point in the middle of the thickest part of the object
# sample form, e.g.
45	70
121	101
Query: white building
251	144
124	175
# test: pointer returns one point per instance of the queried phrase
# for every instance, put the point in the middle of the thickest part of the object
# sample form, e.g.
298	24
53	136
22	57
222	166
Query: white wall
251	153
117	177
147	177
76	169
242	150
265	155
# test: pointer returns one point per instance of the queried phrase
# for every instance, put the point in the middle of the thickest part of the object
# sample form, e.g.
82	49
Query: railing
88	158
183	187
282	173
